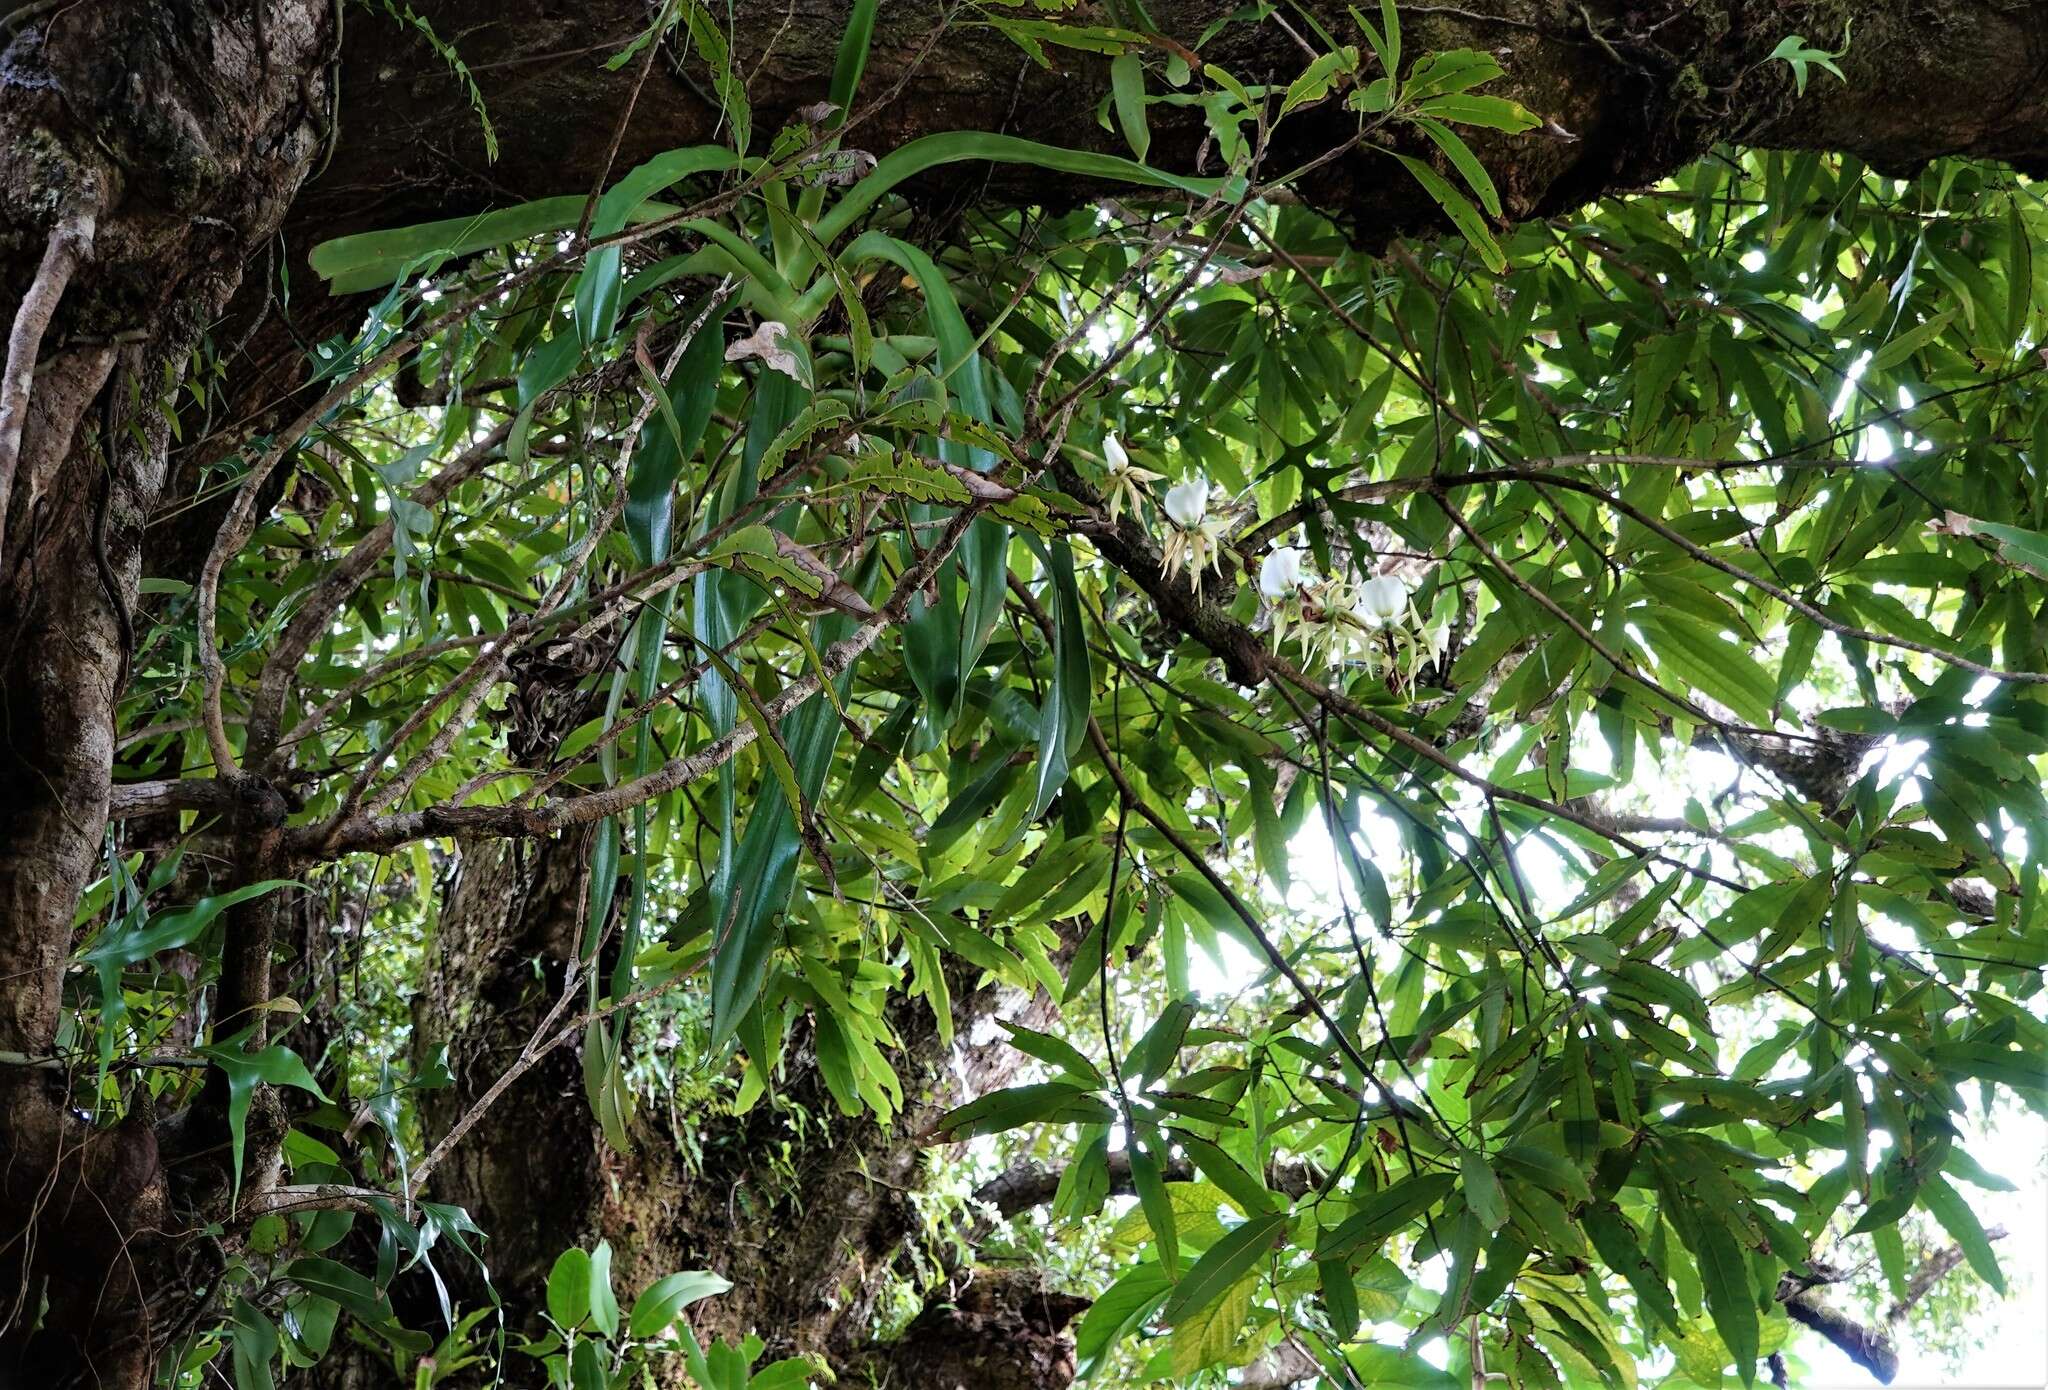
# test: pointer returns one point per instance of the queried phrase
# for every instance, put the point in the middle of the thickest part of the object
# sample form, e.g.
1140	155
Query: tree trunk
806	1210
151	146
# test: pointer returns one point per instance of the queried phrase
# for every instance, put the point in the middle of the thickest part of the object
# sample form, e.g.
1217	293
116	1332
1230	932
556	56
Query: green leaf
1210	1334
253	1338
1123	1305
1063	720
1462	214
597	296
1032	34
852	59
368	260
587	1368
1495	113
1127	90
762	870
1578	1109
1724	1274
1796	52
165	931
1961	1223
1545	1169
1482	1189
790	1373
569	1288
1243	1186
1381	1214
1385	40
1058	1051
946	637
338	1282
727	83
952	147
1463	160
1453	70
2022	547
1223	1264
1398	1369
275	1065
1319	78
605	1085
1156	1204
175	927
1051	1101
1340	1297
604	1306
1617	1242
1155	1051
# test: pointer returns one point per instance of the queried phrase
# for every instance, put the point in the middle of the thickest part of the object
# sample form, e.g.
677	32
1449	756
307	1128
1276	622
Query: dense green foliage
1540	847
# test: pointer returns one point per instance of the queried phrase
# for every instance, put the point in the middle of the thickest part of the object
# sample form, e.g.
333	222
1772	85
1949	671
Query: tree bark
150	147
805	1209
1640	87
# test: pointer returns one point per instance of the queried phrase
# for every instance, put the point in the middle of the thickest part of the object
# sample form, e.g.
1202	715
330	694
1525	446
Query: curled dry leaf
775	346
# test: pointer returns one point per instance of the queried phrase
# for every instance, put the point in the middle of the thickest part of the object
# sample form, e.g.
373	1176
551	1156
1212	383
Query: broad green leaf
1379	1215
319	1275
1482	1189
569	1288
997	1111
275	1065
1724	1274
1223	1265
1127	90
1204	1335
1961	1223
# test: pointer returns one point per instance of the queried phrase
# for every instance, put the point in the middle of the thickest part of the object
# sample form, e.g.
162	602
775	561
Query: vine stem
70	242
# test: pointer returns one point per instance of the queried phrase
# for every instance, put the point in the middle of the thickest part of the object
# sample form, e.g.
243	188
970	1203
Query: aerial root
70	240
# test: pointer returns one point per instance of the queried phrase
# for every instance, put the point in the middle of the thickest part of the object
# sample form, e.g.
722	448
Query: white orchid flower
1195	540
1280	572
1125	482
1383	599
1187	502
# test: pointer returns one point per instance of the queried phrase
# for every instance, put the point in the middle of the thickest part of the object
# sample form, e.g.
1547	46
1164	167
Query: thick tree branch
1024	1186
1869	1347
1632	92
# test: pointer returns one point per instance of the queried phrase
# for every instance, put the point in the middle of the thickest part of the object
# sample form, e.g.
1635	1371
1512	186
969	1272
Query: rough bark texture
183	140
183	133
803	1208
495	968
1643	85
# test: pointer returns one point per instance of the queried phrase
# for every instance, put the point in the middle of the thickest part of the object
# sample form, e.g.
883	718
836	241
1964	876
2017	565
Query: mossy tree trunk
150	149
807	1210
